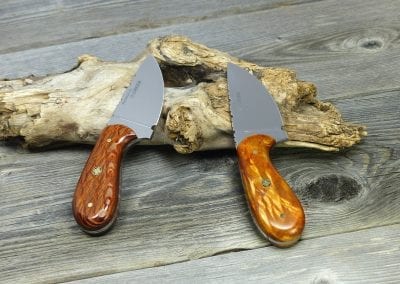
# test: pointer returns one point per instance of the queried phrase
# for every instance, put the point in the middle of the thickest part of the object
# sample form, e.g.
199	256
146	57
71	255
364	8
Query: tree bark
75	106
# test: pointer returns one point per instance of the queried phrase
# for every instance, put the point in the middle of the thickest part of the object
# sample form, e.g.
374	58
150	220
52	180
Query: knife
258	125
96	199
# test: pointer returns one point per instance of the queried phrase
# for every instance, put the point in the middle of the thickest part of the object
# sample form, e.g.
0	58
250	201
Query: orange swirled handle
96	198
275	208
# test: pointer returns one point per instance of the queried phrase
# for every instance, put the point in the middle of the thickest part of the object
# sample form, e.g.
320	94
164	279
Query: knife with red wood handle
257	124
96	199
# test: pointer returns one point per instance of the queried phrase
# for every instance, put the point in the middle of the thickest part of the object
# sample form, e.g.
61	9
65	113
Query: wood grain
96	198
23	22
196	202
349	191
368	256
324	49
69	101
275	208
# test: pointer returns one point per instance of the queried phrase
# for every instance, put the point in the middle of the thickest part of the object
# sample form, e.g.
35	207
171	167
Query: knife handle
96	198
274	206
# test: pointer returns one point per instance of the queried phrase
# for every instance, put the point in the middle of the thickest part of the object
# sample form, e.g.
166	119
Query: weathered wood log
75	106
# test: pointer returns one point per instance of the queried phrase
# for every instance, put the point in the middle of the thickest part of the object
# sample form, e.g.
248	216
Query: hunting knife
96	199
258	125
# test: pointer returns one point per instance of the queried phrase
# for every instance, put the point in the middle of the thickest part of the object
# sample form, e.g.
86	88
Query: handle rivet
109	140
266	182
90	205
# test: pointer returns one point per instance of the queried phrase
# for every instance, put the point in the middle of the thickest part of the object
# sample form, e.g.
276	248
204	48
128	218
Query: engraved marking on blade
134	91
96	171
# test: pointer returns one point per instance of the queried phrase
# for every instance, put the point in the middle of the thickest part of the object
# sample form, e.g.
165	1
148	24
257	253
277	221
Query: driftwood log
75	106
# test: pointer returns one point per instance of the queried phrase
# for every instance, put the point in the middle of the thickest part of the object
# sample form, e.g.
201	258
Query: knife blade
258	125
96	198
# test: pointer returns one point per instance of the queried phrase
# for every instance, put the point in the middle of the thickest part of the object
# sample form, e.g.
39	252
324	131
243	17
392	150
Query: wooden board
342	53
346	258
23	22
176	208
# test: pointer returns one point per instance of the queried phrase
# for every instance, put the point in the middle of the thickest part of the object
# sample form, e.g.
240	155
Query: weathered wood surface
65	108
23	22
345	258
176	208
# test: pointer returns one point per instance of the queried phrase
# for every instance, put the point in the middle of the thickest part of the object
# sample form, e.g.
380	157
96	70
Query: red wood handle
274	206
96	198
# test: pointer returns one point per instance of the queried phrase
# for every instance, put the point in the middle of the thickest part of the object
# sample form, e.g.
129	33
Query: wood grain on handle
96	198
274	206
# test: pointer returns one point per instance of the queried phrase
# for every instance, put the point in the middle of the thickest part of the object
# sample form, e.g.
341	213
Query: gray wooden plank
30	24
323	41
367	256
176	208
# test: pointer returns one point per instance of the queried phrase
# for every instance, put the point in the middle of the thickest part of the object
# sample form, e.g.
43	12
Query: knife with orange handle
96	199
258	126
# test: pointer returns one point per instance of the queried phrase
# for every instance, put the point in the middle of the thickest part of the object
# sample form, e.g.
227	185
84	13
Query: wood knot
332	188
370	43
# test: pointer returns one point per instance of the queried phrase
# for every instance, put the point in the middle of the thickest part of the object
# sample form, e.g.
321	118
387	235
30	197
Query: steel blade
253	109
141	104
